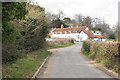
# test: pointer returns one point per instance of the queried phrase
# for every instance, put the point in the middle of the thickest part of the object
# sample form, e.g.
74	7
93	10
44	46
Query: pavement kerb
40	68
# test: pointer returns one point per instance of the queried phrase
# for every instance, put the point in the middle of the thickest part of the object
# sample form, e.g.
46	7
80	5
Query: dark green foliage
11	11
86	47
96	28
22	35
57	23
84	52
112	36
67	21
35	40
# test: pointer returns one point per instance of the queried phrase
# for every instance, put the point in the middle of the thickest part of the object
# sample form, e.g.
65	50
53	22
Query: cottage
78	33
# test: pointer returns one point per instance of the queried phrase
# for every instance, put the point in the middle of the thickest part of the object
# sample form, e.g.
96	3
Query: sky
103	9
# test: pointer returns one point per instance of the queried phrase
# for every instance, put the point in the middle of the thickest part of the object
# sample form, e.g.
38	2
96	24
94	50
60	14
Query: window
56	32
78	36
77	31
65	32
70	32
61	32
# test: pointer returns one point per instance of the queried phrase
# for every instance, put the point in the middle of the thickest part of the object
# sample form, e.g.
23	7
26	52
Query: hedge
58	42
29	35
103	52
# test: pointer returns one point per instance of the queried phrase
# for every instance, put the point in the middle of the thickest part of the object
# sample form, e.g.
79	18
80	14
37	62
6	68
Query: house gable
82	33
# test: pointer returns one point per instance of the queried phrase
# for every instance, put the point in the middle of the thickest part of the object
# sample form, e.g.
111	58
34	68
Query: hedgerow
103	52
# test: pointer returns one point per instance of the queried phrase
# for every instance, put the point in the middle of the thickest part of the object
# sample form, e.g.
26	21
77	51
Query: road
68	62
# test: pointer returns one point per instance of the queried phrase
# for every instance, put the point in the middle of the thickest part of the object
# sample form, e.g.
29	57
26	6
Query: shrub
92	55
104	52
24	36
86	46
98	60
84	52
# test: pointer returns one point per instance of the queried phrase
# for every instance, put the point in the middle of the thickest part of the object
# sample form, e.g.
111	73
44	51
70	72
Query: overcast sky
104	9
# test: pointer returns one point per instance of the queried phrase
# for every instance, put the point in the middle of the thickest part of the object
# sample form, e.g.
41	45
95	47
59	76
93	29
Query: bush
86	47
24	35
92	55
84	52
104	52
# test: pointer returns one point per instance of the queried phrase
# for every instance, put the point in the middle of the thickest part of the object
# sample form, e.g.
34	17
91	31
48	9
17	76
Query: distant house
78	33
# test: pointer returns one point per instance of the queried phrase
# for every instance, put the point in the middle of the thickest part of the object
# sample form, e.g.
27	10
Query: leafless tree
78	18
87	21
60	14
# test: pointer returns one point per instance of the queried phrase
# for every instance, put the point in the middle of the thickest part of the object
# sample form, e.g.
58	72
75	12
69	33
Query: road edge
102	68
40	68
46	59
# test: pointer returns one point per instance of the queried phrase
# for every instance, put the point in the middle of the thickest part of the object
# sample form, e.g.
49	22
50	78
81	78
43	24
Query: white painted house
78	33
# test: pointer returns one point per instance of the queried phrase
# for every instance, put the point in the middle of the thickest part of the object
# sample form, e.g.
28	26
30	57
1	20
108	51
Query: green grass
25	67
28	65
90	55
60	45
84	52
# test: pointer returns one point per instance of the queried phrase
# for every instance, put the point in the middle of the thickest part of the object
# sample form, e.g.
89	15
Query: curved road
69	63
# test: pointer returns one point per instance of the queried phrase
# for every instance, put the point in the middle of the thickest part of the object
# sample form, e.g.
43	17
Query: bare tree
78	18
60	14
51	17
87	21
73	22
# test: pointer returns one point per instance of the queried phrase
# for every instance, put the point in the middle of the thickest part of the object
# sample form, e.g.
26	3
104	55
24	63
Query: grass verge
59	45
28	65
25	67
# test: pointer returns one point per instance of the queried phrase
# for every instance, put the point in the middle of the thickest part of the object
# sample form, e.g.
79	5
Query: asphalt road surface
68	62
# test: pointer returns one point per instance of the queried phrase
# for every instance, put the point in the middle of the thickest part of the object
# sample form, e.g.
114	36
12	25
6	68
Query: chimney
62	26
77	25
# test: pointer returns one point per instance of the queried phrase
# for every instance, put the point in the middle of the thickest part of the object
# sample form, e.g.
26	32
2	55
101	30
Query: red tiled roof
74	29
71	29
97	36
88	32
